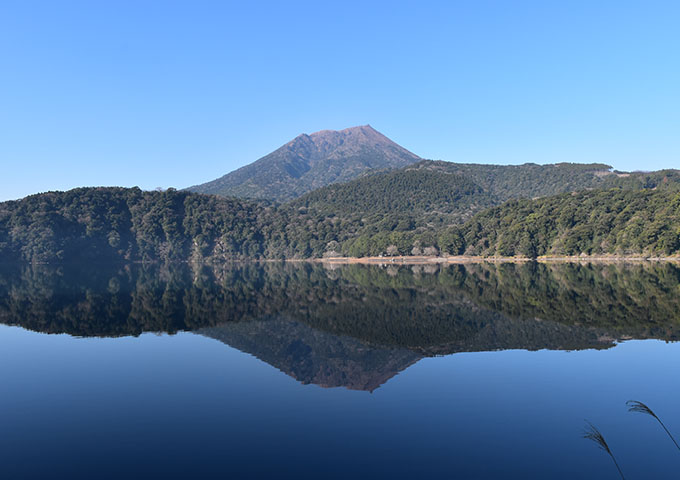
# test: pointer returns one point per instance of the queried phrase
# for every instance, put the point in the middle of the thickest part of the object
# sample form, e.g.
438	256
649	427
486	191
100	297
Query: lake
305	371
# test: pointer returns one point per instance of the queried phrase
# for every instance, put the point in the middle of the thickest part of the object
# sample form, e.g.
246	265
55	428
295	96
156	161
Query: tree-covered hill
407	212
504	182
400	199
429	196
401	209
406	190
419	209
128	223
592	222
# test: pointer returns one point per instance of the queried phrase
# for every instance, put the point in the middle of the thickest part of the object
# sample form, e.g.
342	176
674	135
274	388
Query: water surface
299	371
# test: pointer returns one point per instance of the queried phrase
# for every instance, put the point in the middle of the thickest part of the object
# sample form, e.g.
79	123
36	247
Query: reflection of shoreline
464	259
423	306
354	326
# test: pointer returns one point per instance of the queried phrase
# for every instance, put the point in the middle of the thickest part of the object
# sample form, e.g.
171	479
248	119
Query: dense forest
593	222
612	222
434	194
430	208
129	224
504	182
408	195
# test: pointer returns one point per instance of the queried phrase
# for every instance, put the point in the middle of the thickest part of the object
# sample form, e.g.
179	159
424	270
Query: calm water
292	371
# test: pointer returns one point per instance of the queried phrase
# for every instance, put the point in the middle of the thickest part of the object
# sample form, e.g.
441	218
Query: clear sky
170	93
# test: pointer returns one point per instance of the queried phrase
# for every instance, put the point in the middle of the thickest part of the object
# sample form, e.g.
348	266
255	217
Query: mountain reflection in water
352	326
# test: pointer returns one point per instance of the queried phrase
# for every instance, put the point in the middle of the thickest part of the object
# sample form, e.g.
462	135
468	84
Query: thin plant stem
617	467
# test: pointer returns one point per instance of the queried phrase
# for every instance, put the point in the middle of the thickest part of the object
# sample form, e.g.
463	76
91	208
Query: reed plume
592	433
639	407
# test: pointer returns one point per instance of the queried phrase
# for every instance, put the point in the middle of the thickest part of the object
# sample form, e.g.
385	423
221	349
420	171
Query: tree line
425	209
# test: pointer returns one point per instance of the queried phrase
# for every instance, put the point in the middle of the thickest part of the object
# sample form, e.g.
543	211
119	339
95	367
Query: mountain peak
350	131
310	161
365	131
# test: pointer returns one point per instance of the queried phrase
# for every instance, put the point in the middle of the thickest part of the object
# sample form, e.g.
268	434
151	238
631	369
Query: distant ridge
311	161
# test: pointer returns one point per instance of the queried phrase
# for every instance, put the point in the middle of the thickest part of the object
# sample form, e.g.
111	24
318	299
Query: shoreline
465	259
403	260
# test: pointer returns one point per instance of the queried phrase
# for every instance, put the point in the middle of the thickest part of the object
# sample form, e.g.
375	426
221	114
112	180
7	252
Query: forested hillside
121	223
611	222
398	200
413	211
293	203
419	209
431	195
504	182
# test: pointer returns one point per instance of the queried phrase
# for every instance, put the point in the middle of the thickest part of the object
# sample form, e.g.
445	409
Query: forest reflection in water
353	326
498	366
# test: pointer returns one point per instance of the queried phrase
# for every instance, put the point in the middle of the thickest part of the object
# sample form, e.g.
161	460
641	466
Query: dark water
298	371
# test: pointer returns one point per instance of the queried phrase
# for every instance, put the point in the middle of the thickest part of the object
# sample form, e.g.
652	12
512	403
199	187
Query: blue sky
169	93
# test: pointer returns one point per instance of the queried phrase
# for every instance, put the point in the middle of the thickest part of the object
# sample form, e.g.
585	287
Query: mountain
309	162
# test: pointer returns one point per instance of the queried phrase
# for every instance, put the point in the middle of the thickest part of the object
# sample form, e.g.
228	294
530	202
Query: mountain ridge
311	161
